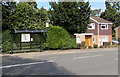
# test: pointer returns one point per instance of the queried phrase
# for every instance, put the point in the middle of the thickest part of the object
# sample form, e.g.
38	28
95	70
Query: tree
95	12
23	16
43	15
73	16
31	2
112	13
7	14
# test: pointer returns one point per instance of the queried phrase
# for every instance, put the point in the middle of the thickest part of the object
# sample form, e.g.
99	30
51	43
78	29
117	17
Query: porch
86	37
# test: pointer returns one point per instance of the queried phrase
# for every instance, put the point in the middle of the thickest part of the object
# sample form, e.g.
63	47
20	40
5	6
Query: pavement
100	61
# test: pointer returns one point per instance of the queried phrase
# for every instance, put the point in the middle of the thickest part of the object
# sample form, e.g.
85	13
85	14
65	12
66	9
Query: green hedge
119	39
6	41
95	46
59	38
106	43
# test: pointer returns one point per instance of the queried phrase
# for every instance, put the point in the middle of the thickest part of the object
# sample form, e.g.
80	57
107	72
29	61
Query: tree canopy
95	12
73	16
112	12
7	12
23	15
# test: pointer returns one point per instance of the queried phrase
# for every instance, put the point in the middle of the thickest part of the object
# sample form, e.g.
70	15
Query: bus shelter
28	40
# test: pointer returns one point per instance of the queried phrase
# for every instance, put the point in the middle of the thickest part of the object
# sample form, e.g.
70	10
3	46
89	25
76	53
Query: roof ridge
100	20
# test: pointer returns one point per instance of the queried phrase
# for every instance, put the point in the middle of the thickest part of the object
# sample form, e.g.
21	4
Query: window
78	39
91	26
104	26
104	38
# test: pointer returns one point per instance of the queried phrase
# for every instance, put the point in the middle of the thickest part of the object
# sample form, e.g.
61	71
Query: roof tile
101	20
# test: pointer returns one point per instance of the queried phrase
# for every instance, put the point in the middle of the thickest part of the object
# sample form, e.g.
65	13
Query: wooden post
20	42
30	41
12	43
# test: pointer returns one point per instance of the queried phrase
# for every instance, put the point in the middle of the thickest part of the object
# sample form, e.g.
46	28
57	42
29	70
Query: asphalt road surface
98	62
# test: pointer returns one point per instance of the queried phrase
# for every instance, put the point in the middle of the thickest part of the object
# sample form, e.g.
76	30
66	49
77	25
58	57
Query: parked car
116	42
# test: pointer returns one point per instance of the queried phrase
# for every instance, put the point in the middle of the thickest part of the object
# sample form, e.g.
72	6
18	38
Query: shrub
6	41
119	39
106	43
6	46
83	44
6	36
78	45
95	46
58	38
89	47
101	46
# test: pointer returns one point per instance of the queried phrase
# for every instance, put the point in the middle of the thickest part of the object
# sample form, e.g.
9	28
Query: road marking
25	64
81	57
87	56
97	55
116	59
50	61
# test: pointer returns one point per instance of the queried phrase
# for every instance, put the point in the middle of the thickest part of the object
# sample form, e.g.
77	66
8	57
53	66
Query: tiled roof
100	20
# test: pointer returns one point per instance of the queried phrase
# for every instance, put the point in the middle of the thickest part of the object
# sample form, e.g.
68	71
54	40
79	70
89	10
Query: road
91	62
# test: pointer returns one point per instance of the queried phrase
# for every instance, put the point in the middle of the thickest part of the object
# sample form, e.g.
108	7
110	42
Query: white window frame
106	26
105	38
91	24
78	39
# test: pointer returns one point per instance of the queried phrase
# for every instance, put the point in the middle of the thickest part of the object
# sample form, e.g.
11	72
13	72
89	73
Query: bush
89	47
101	46
6	46
83	44
106	43
78	45
6	36
6	41
58	38
95	46
119	39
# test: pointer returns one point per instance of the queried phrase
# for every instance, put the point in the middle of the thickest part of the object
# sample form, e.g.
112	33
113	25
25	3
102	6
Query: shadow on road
46	68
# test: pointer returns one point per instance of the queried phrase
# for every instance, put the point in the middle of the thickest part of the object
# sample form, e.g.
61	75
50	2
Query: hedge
6	41
95	46
59	38
106	43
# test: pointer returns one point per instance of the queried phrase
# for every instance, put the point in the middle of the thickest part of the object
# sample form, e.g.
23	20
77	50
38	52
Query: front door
87	40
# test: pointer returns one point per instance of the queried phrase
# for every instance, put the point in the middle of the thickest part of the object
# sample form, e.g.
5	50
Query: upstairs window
91	26
104	26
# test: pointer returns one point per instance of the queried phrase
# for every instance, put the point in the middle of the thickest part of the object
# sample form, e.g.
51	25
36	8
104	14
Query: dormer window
104	26
91	26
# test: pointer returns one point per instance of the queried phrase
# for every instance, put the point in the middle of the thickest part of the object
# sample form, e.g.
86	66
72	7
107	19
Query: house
117	33
99	31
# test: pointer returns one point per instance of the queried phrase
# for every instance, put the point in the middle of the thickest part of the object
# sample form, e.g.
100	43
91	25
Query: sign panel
25	38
